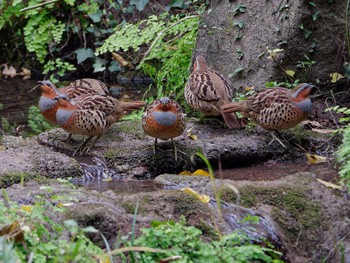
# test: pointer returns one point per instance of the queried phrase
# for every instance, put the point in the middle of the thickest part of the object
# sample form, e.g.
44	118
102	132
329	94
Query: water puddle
98	176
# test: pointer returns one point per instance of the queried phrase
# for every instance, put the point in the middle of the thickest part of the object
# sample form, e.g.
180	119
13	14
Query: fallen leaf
110	179
324	131
123	62
335	77
201	197
9	71
190	135
290	72
26	73
312	124
27	208
185	173
249	88
13	232
314	158
329	185
201	172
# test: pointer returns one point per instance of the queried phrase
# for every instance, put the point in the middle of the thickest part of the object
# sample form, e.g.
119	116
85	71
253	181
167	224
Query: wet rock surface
301	217
128	151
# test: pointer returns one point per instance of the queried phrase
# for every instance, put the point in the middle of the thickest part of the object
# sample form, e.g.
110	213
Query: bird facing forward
276	108
91	115
208	90
165	120
47	103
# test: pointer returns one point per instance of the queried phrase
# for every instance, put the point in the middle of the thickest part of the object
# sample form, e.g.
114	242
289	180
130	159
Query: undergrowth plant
31	235
343	152
163	44
37	122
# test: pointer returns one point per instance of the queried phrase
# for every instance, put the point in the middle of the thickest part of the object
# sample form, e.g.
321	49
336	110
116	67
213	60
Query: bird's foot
275	138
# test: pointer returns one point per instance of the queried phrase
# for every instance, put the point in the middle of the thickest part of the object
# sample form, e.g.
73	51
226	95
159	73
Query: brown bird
165	120
208	90
276	108
91	115
47	103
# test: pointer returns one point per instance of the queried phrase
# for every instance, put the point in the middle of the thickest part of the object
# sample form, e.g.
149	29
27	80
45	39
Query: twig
162	32
38	5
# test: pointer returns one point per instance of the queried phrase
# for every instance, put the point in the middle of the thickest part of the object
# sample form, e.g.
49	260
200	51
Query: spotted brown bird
208	90
276	108
47	103
91	115
165	120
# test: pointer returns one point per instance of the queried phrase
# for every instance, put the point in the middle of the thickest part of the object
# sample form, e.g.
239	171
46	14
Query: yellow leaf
324	131
190	135
201	172
335	77
27	208
13	232
201	197
185	173
329	185
109	179
249	88
123	62
290	72
313	158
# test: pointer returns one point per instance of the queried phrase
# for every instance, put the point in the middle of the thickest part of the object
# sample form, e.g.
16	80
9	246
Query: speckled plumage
91	114
48	105
208	90
276	108
164	119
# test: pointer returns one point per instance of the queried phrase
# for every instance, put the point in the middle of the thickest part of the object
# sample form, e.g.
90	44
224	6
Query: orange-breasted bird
208	90
91	115
47	103
165	120
276	108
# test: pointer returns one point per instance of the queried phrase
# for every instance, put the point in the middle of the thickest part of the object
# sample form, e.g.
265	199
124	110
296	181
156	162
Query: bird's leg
176	150
81	146
155	146
93	143
274	137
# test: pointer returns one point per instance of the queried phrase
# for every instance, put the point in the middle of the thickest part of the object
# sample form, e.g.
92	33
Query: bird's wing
202	87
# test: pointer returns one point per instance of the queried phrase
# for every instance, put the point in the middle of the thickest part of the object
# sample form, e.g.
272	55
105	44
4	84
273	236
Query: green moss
129	207
9	179
187	205
298	216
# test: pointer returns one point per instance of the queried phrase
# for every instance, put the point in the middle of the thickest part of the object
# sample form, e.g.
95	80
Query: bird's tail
231	120
228	112
133	105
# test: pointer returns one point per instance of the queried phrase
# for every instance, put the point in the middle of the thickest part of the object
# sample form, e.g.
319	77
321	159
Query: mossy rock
15	177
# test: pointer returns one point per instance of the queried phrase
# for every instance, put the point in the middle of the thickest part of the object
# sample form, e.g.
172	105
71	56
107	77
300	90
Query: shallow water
261	172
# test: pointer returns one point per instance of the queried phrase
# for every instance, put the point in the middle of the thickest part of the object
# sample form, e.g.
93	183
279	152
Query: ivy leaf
96	17
140	4
83	54
99	65
290	72
114	66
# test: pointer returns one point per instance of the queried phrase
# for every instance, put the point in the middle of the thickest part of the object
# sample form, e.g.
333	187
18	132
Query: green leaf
99	65
140	4
83	54
237	70
96	17
114	66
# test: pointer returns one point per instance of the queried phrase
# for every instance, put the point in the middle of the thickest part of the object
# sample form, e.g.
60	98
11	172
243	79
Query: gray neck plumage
46	103
62	116
305	105
164	118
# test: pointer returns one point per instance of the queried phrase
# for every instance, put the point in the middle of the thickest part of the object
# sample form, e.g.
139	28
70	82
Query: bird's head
164	103
200	63
48	88
302	91
63	101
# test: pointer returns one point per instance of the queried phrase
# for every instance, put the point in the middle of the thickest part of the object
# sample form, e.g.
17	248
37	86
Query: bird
91	115
276	108
208	90
164	119
47	103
